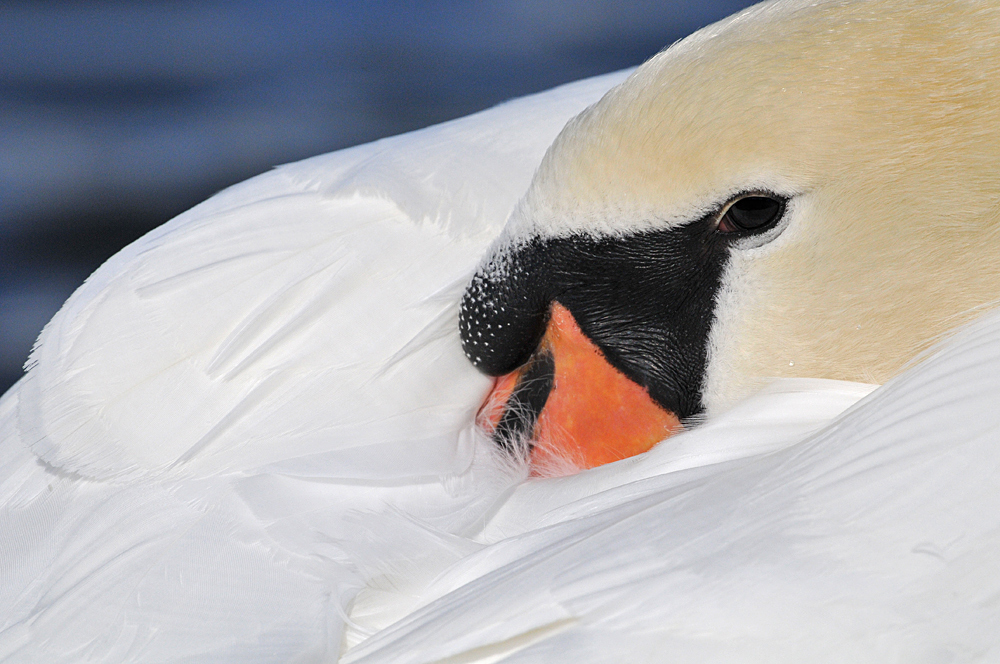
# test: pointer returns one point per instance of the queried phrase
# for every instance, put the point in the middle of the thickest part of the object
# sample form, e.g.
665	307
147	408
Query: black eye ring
752	213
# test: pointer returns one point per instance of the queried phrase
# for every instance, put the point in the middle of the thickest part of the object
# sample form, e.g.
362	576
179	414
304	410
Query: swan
258	434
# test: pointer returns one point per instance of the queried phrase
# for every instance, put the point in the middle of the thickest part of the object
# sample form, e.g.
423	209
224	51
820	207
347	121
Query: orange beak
593	413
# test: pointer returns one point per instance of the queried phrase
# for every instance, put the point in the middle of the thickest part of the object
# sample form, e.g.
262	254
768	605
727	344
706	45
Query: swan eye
752	213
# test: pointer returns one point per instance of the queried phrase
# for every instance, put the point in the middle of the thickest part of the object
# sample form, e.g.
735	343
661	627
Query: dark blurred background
114	116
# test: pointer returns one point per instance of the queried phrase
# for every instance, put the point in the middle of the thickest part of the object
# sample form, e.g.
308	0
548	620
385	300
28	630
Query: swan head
805	189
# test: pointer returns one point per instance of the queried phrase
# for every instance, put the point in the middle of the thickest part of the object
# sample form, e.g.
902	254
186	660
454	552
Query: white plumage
184	465
249	437
870	540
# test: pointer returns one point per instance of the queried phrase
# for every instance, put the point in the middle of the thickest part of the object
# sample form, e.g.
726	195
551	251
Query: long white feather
871	540
215	425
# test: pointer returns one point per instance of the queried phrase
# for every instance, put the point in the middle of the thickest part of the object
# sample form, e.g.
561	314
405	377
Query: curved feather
215	424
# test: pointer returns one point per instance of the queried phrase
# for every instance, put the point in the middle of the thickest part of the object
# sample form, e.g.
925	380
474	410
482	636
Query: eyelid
723	221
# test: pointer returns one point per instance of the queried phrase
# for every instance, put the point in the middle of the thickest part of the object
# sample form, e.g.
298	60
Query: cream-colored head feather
881	121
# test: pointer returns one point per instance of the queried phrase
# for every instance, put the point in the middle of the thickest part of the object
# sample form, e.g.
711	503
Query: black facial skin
647	300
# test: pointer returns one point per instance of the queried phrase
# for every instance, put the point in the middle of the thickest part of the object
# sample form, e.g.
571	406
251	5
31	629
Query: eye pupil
752	213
